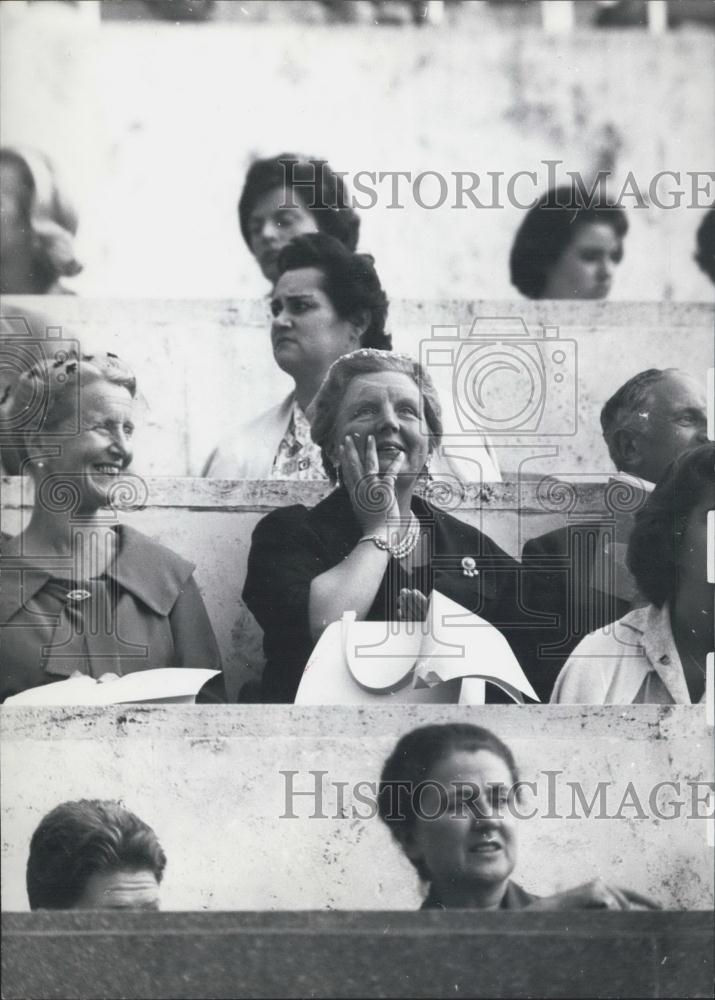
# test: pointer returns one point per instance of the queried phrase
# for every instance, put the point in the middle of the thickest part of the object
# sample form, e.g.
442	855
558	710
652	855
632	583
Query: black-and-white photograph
357	442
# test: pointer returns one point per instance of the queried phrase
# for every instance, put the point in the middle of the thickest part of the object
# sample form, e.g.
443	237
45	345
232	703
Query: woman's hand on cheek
595	895
372	494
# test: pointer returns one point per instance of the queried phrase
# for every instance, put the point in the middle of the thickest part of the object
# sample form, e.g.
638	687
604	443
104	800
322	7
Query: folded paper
168	684
446	659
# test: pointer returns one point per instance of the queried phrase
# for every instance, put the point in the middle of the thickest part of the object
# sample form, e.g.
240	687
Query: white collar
656	638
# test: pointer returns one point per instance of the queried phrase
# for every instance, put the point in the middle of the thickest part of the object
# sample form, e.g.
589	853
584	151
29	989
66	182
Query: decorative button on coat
469	567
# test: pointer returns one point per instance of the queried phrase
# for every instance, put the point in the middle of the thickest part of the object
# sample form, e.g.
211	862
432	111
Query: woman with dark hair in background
705	245
446	794
327	301
286	196
567	249
657	653
81	593
37	226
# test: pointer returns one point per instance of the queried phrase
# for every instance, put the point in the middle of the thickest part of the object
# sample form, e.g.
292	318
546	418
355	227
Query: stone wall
208	781
157	122
63	956
206	366
210	522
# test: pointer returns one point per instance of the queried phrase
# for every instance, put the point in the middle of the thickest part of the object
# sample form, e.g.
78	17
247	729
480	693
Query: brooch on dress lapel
77	595
469	567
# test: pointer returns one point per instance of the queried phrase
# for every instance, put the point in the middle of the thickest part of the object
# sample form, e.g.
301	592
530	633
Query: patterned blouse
298	456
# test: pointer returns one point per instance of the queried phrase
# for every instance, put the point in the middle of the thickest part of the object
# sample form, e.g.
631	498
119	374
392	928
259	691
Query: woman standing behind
80	592
566	249
327	301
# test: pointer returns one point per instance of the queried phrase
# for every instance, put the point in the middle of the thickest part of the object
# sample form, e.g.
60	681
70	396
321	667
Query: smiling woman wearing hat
80	592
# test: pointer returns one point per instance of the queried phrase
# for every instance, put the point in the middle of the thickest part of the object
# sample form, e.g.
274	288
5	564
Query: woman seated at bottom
372	546
657	653
80	593
463	840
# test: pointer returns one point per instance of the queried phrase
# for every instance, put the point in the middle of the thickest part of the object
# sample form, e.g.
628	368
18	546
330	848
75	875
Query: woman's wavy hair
321	191
47	213
48	393
547	230
349	280
79	839
324	409
411	762
657	537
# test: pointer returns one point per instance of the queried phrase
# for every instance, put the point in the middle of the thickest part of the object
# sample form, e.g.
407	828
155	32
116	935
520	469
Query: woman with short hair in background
38	224
705	244
566	248
286	196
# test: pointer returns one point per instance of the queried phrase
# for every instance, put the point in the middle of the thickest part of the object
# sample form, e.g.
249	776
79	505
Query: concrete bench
186	956
211	521
240	834
204	366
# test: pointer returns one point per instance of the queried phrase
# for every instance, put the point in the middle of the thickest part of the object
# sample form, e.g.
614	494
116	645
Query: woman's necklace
409	541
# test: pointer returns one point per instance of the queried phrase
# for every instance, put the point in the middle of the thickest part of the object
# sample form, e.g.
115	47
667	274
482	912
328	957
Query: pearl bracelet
402	548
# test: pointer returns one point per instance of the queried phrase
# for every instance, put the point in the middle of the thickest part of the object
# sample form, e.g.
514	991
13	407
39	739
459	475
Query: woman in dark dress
448	794
372	546
81	593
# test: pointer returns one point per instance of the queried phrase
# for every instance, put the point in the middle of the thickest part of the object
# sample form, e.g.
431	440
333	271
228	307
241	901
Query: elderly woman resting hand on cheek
446	795
370	546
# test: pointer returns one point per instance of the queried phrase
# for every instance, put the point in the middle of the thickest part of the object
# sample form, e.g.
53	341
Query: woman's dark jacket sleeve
195	642
285	558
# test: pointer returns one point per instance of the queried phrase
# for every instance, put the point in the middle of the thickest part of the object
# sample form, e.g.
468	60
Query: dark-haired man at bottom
93	855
